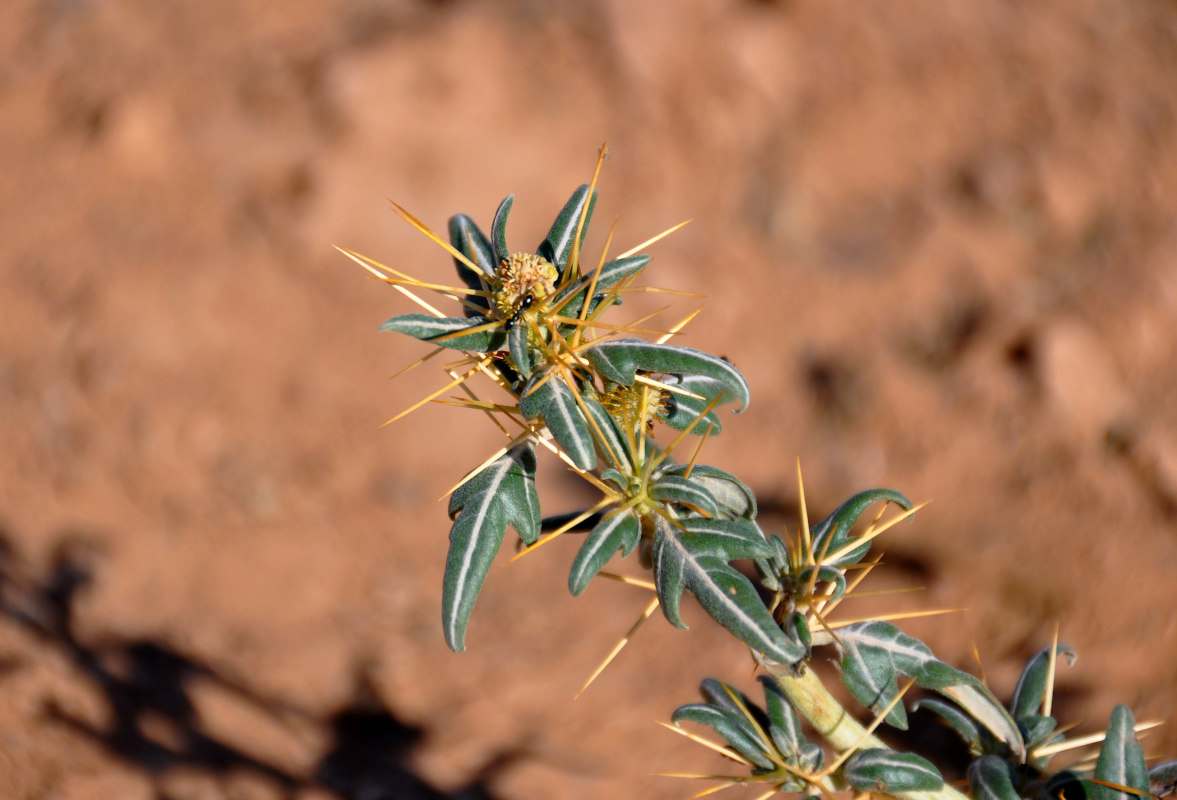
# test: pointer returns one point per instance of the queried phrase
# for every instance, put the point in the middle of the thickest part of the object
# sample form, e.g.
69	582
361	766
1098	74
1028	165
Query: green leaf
1162	778
825	574
833	533
1037	730
1121	760
724	593
732	726
569	301
557	245
1030	692
684	492
502	494
547	395
784	727
429	328
991	778
725	538
617	531
959	721
520	353
975	698
498	230
874	656
469	240
620	359
732	496
612	444
889	772
682	409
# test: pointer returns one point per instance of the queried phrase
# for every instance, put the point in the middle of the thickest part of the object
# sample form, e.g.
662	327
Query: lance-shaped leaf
991	778
731	495
734	727
429	328
1031	690
502	494
833	533
888	772
690	402
969	693
684	492
547	395
519	350
1121	760
725	538
620	359
784	727
874	656
498	230
612	444
569	301
618	531
557	245
724	592
469	240
964	725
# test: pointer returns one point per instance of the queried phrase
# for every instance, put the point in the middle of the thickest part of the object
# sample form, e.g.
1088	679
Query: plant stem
809	696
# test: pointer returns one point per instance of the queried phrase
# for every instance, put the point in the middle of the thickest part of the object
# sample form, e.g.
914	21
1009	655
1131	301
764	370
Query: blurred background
938	238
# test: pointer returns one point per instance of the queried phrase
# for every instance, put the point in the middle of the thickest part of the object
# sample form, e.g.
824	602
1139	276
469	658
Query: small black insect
524	304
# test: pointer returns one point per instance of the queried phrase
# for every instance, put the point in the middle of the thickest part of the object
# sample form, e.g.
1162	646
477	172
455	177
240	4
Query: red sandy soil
938	238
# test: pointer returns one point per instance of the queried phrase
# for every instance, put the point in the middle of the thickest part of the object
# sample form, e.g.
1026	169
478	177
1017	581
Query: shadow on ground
146	685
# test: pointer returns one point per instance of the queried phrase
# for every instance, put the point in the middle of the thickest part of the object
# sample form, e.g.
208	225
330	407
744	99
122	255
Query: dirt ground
938	238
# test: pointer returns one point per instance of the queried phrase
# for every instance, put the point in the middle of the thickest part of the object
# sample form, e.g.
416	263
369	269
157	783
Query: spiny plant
598	394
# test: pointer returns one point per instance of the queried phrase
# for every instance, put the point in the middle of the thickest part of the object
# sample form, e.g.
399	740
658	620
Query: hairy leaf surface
620	359
429	328
833	533
618	531
498	230
990	778
887	771
502	494
723	592
557	245
1121	760
731	495
469	240
1030	692
875	655
547	395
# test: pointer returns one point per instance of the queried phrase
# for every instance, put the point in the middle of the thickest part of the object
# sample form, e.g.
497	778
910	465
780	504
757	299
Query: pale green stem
809	696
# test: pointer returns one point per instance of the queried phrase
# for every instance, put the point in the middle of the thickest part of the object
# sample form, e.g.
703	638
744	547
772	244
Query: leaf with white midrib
877	769
547	395
1121	760
619	360
498	230
990	778
502	494
968	692
557	245
617	531
724	593
875	654
1030	691
429	328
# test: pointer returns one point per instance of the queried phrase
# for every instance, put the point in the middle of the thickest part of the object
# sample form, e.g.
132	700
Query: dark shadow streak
145	679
